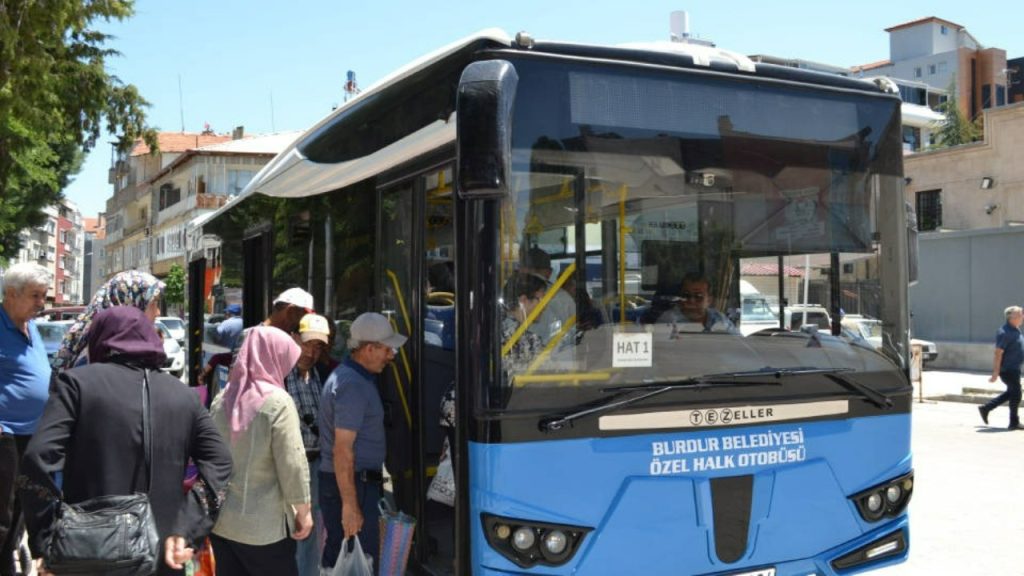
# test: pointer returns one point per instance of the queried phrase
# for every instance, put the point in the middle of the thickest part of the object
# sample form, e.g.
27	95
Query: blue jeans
1012	395
307	552
368	494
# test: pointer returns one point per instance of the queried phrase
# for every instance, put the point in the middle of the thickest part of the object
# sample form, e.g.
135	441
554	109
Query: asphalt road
967	512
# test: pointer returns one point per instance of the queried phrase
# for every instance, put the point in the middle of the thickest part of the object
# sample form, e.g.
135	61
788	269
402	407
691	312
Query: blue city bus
571	236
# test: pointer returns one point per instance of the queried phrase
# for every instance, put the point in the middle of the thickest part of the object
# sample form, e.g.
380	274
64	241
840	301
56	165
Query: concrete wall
964	356
966	280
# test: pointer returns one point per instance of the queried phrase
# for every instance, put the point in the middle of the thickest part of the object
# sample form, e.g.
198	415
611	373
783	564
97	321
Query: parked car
53	332
61	313
816	315
757	314
176	326
870	329
175	364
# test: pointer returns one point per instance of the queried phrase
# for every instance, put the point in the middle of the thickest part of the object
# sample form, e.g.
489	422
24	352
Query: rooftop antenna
181	105
351	86
679	29
679	26
273	126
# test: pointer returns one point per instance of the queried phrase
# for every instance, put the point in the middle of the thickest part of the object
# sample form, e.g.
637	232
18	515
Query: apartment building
95	232
931	54
200	181
129	210
58	245
157	195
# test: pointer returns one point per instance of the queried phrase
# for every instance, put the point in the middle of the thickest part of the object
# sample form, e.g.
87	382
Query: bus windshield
664	225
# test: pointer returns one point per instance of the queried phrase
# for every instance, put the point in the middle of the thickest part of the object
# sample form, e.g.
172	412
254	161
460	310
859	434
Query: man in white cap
289	308
303	383
352	442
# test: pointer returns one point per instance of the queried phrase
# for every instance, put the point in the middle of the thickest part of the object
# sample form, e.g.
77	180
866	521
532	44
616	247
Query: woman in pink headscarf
267	506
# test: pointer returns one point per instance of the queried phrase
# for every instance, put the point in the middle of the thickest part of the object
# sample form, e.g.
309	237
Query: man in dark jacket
91	432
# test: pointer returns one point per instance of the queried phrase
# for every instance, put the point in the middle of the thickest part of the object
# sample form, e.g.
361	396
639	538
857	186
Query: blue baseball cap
234	309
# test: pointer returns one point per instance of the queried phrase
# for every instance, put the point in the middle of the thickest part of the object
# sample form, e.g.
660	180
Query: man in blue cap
229	329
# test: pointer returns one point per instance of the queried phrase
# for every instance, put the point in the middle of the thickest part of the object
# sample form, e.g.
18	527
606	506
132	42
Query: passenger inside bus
537	262
520	346
439	324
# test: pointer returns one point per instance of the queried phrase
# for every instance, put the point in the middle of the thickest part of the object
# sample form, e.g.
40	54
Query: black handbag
110	535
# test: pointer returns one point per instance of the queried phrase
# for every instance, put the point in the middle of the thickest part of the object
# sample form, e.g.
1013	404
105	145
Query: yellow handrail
401	300
551	345
401	351
623	230
575	377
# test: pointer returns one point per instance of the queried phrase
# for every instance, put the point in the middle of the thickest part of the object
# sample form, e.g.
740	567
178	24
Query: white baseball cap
314	327
296	297
373	327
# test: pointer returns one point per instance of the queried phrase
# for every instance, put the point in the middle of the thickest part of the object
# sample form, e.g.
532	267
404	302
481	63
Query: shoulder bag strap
147	433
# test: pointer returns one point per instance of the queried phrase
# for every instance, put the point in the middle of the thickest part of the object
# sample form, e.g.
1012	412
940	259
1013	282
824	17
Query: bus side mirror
483	128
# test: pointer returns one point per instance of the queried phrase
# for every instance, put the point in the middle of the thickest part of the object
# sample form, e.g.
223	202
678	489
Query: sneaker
984	414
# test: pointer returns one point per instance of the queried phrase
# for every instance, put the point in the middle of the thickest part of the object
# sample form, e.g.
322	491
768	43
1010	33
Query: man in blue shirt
24	388
229	329
1009	356
352	442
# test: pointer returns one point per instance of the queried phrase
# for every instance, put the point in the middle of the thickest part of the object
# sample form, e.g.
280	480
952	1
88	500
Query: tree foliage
56	98
174	291
958	128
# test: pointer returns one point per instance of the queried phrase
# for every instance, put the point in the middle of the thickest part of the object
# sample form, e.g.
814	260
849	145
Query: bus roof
312	165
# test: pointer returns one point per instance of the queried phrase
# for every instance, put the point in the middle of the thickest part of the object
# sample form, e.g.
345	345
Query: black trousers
237	559
12	448
1012	395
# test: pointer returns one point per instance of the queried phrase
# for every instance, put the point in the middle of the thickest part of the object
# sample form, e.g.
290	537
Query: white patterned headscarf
129	288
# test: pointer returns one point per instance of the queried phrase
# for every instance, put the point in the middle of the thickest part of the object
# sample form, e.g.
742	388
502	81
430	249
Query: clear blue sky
233	56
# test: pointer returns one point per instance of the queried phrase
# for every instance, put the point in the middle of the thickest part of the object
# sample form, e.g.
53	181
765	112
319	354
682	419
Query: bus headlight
528	543
889	499
874	503
523	538
555	542
893	493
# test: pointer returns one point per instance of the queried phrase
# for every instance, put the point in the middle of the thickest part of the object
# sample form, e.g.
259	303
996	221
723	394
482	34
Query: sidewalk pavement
957	386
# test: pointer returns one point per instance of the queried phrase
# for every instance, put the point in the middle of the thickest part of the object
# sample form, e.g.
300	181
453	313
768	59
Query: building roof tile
180	142
923	21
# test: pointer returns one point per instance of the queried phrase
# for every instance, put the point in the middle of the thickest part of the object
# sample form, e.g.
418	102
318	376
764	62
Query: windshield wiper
836	375
628	395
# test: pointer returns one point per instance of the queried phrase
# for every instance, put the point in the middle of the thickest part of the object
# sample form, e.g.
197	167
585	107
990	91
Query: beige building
198	182
129	210
972	186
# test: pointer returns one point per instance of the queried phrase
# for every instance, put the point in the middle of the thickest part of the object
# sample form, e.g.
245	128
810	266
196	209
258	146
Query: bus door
415	291
257	268
196	308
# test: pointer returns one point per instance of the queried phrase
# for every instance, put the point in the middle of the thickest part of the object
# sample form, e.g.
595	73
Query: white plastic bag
353	562
442	487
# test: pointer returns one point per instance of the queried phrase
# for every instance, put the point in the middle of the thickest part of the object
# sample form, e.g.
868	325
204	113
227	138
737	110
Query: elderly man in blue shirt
24	388
352	439
1006	365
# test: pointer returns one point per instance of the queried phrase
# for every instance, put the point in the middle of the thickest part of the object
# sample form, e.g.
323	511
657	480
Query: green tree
56	97
957	128
174	292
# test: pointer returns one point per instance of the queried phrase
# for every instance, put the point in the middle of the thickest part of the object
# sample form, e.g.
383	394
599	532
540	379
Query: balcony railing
210	201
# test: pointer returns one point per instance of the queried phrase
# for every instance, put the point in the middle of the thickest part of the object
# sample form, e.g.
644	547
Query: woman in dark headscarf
91	431
129	288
